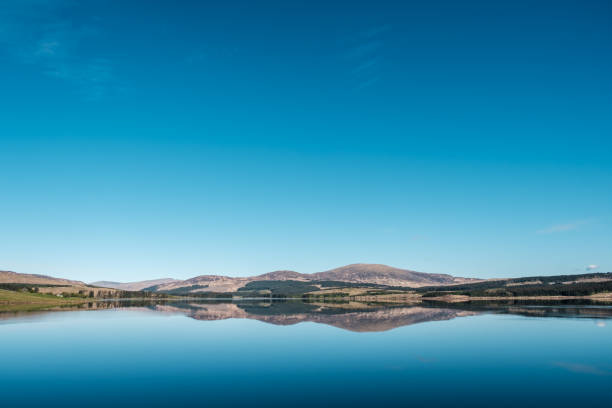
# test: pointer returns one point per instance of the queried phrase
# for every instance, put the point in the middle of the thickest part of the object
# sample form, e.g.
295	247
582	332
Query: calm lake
297	354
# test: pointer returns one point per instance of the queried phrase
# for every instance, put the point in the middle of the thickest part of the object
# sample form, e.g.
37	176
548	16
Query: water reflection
353	316
356	317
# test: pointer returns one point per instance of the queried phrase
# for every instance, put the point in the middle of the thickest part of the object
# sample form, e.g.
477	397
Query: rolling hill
133	286
14	277
374	274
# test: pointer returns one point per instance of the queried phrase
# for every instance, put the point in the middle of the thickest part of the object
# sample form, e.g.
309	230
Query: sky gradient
152	139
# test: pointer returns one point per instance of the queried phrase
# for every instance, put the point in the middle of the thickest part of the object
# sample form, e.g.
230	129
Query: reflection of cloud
426	360
570	226
600	324
581	368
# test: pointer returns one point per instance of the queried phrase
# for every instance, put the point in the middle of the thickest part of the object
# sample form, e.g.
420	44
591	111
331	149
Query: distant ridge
366	280
383	275
14	277
355	273
282	275
133	286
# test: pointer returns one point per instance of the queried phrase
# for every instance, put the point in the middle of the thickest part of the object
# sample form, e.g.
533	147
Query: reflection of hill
359	318
373	321
353	316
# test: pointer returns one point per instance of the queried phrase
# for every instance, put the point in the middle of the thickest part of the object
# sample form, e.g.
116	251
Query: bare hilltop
375	274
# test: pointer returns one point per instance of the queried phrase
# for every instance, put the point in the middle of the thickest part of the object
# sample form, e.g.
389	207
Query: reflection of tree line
536	308
123	294
110	304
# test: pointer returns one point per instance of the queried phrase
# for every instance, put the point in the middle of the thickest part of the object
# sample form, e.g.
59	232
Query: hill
534	286
14	277
383	275
20	285
133	286
370	274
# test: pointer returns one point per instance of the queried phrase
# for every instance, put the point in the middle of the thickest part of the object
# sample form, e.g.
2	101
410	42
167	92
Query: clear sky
151	139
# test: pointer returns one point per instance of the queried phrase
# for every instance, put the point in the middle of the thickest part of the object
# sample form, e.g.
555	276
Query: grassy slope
584	285
563	286
9	299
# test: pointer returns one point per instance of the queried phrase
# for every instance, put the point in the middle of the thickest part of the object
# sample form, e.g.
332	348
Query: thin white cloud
364	54
591	267
366	66
570	226
581	368
374	31
369	82
364	49
47	48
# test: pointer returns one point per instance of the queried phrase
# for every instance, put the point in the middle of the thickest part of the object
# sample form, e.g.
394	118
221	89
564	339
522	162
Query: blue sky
144	140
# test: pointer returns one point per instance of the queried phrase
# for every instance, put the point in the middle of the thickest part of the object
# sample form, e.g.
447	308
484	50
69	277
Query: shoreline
11	300
463	298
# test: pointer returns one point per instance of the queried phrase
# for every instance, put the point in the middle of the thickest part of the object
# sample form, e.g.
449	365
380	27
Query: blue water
145	357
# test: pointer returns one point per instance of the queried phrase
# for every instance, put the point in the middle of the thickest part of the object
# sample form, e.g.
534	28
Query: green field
10	300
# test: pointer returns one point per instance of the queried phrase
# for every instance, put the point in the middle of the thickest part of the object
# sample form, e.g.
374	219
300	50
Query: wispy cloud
363	49
38	33
367	65
581	368
570	226
47	48
364	55
367	83
591	267
375	31
208	52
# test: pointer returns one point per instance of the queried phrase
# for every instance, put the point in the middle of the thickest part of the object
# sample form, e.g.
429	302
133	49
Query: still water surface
296	354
